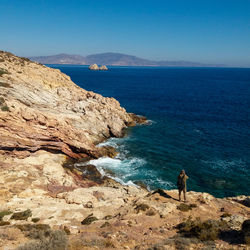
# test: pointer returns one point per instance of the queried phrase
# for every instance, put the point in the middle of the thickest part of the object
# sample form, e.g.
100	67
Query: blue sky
210	31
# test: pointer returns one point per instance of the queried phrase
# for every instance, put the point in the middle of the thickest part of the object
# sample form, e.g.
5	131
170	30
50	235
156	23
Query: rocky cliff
43	109
47	201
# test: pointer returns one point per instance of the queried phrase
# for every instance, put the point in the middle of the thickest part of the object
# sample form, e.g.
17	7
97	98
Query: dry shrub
141	207
186	207
4	212
89	219
5	108
206	230
225	215
45	239
105	224
9	234
35	220
3	71
24	215
97	243
151	212
4	223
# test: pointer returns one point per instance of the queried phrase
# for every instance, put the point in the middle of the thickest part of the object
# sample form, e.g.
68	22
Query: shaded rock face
43	109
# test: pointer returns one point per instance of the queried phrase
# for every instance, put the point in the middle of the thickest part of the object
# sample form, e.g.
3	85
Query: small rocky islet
96	67
48	125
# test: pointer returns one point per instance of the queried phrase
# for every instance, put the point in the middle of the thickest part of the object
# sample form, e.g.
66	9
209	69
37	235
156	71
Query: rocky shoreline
47	124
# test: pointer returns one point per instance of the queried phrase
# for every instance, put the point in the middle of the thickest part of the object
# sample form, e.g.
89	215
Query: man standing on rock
181	184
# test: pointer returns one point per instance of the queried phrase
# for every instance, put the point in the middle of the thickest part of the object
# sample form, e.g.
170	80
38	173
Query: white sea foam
150	122
123	169
115	142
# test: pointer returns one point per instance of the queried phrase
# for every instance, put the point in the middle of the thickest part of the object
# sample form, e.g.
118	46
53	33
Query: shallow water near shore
200	123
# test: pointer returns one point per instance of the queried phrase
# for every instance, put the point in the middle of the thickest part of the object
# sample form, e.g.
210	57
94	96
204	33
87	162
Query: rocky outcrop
41	108
99	216
103	67
94	67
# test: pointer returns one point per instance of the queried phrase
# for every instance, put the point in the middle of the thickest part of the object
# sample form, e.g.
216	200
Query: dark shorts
184	189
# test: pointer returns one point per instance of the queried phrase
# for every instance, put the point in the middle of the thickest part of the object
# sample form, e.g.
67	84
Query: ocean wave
115	142
123	169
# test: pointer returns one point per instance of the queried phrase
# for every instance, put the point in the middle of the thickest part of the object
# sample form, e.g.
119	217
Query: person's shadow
162	193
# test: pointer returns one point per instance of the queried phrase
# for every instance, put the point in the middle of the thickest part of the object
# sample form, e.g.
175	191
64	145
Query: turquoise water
199	121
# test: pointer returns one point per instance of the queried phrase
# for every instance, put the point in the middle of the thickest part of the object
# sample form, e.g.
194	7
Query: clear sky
210	31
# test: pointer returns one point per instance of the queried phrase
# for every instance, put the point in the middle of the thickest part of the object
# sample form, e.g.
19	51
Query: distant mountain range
115	59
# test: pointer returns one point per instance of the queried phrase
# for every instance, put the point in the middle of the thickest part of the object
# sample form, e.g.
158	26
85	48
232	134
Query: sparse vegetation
141	207
186	207
4	223
35	227
206	230
25	59
89	219
3	71
150	212
66	230
5	85
1	102
225	215
43	237
21	215
108	217
105	224
5	108
4	212
35	220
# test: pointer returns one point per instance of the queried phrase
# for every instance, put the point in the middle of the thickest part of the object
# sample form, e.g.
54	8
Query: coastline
47	123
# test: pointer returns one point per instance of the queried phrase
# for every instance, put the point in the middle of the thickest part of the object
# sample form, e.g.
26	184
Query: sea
199	121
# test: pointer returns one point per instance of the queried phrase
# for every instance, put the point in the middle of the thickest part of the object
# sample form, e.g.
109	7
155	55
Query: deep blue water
200	123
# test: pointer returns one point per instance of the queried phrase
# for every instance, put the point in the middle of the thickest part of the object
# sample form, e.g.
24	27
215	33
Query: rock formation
47	202
94	67
41	108
103	67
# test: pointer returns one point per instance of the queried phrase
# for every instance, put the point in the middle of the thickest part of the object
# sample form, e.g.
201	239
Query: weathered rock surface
46	110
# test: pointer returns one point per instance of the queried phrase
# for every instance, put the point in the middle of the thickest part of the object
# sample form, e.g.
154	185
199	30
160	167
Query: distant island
114	59
95	67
